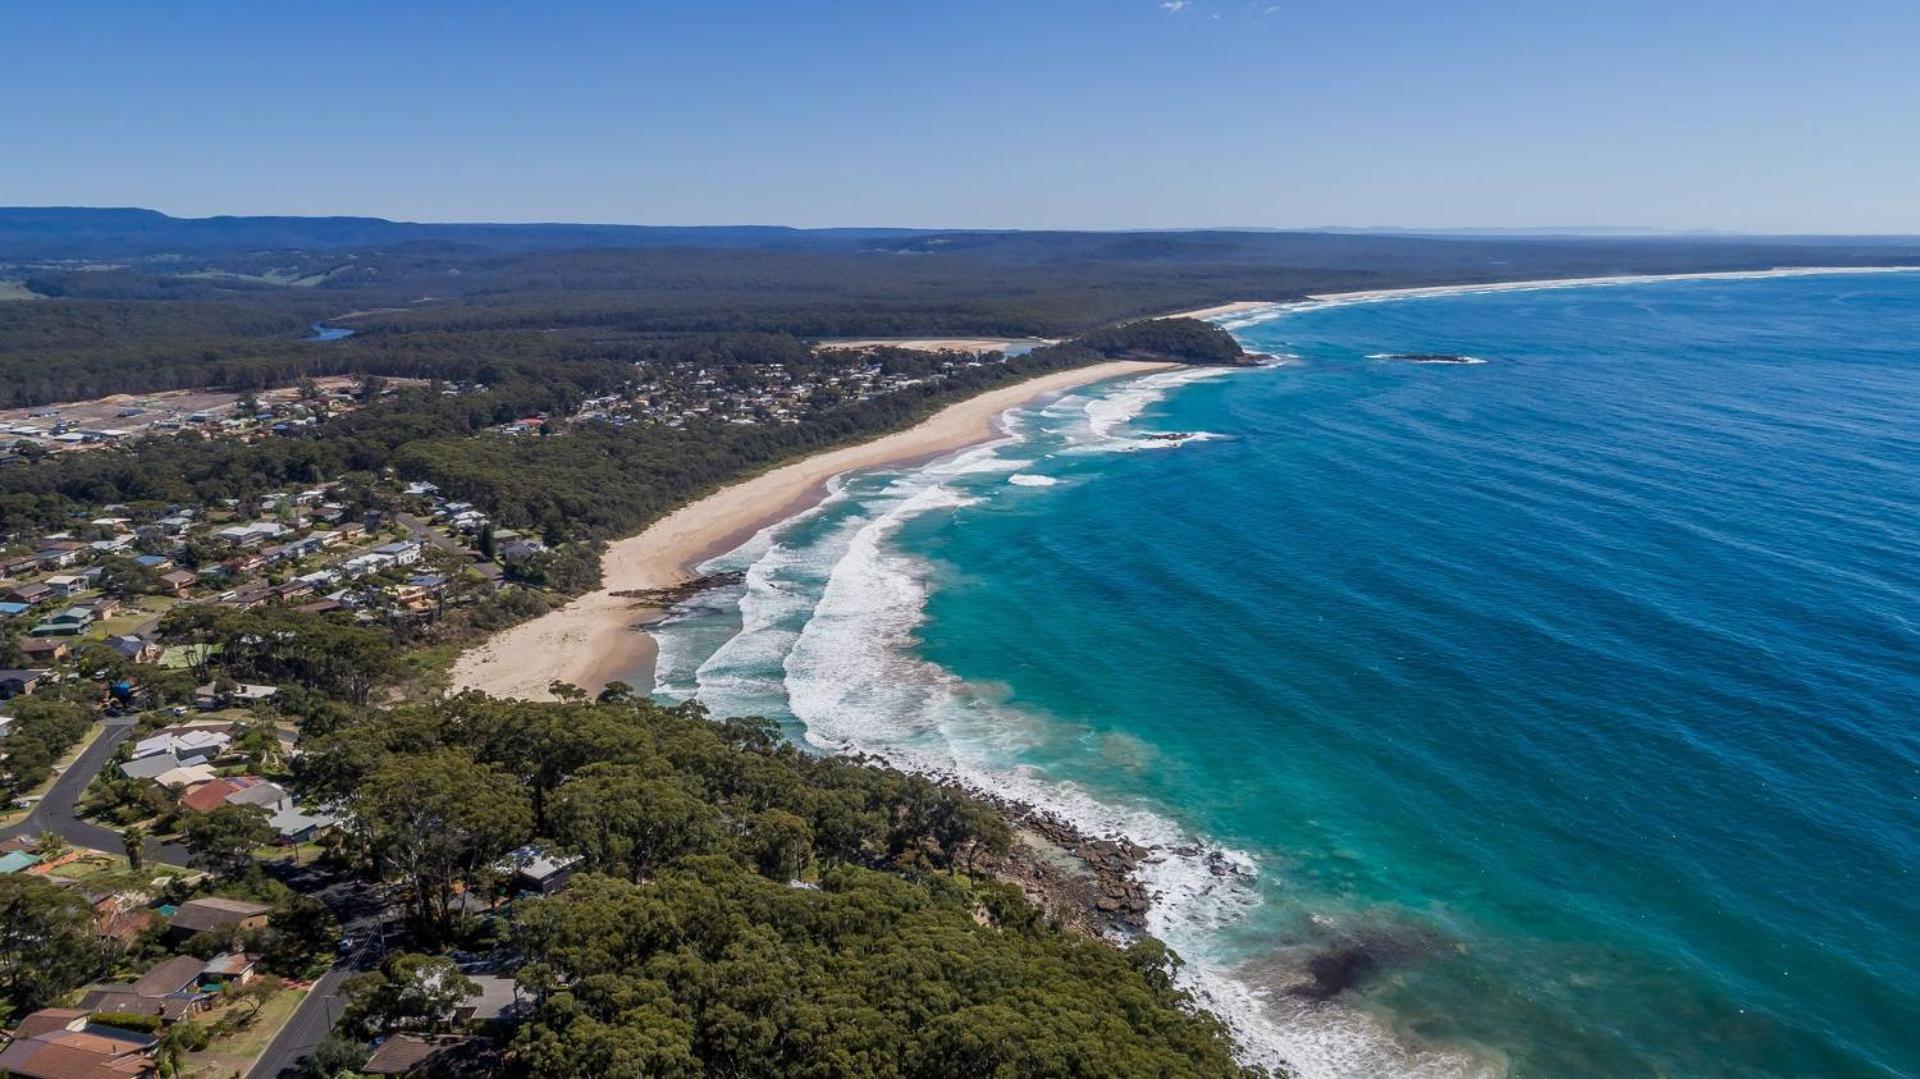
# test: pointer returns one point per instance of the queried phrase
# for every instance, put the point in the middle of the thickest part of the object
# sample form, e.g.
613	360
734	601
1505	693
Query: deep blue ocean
1557	715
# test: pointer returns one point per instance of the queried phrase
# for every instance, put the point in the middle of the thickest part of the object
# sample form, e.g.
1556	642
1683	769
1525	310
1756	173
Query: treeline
742	907
1189	340
233	317
43	730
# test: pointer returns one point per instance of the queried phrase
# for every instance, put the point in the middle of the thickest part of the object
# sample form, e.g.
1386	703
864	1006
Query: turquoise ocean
1553	715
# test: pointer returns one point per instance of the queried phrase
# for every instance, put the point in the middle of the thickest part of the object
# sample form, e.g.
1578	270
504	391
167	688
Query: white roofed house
535	868
400	552
186	744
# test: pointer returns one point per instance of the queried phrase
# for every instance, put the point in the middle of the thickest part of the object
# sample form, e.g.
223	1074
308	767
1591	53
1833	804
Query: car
347	945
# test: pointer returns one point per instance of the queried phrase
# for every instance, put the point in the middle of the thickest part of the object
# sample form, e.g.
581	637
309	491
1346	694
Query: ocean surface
1555	715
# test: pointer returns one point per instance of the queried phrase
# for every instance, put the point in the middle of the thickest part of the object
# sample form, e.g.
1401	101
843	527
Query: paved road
426	533
55	812
360	914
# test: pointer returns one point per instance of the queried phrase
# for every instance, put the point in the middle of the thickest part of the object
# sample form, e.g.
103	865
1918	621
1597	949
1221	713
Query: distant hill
84	232
72	232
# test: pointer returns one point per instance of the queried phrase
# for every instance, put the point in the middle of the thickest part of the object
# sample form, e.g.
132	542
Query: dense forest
743	907
135	302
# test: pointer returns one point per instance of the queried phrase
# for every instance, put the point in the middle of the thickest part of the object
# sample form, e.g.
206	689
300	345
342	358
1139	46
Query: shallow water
1556	713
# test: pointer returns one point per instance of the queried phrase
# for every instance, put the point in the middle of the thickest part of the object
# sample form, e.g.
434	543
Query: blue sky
1757	116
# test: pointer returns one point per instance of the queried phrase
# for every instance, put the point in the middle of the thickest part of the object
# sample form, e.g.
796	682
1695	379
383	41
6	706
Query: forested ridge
136	302
742	907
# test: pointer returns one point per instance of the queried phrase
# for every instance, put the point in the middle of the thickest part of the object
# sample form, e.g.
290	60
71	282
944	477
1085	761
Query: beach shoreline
599	637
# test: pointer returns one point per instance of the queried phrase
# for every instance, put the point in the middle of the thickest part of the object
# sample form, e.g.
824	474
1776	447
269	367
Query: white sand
1243	306
595	638
1217	310
935	344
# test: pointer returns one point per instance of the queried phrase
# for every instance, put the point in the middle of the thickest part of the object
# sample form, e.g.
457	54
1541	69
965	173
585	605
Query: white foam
855	683
1320	301
1403	357
852	676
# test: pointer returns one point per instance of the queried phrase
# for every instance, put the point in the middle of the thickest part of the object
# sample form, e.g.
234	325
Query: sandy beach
1242	307
597	638
936	344
1216	311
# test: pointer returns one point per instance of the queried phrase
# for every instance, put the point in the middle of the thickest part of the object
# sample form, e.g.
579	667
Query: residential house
169	991
80	1050
217	792
209	697
152	767
521	550
121	916
431	1054
229	969
263	793
186	775
71	622
20	683
31	594
158	563
189	745
18	861
179	581
59	557
48	1020
45	649
65	584
296	825
251	534
211	913
10	609
18	567
136	648
535	868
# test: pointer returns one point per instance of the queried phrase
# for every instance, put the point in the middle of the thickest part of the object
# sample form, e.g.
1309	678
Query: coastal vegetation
739	906
1187	340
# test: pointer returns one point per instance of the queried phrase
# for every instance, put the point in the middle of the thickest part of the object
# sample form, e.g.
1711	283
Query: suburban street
55	812
360	912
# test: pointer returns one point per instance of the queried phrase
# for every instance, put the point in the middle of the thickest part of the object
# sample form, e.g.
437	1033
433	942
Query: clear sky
1759	115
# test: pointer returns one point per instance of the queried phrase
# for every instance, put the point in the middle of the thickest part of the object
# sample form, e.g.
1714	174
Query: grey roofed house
296	825
173	975
265	795
133	647
122	1000
216	912
536	868
150	767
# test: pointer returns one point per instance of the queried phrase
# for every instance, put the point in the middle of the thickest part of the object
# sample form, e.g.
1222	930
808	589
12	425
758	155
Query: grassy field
234	1054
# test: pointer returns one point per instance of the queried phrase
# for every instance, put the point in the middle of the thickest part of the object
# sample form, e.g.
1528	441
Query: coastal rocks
680	593
1084	881
1346	959
1426	357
